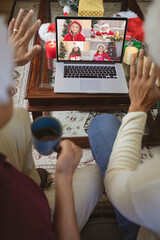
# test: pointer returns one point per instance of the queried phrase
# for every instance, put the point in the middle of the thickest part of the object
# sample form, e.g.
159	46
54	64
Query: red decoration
51	28
128	36
93	34
50	49
135	26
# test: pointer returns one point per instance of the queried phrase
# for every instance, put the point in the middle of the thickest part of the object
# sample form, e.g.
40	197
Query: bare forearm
65	222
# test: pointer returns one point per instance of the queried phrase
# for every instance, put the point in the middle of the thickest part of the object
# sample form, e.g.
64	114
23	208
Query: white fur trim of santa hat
75	45
44	34
127	14
66	9
6	63
104	25
100	45
152	33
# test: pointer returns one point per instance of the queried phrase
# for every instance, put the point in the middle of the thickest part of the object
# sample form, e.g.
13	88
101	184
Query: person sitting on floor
133	188
25	209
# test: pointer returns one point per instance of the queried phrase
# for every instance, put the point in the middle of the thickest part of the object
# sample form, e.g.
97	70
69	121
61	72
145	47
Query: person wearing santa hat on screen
133	187
75	53
104	30
100	55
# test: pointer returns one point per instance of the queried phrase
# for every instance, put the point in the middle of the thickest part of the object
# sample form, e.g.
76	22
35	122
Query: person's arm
124	174
20	35
65	222
107	57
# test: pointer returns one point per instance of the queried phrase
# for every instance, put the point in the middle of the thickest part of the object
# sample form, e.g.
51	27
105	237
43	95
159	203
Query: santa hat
104	25
6	63
47	32
101	45
152	33
75	45
66	10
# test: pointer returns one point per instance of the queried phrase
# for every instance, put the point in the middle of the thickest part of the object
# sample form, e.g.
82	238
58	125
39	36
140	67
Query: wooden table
41	96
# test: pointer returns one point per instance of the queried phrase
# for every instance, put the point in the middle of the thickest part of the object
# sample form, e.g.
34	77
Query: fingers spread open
11	27
140	64
29	34
132	70
25	23
18	20
32	52
153	77
147	68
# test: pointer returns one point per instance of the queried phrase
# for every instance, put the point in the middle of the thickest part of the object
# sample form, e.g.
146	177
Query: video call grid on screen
90	39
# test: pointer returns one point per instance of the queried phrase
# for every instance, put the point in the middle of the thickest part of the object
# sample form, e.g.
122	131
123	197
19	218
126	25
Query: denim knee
104	122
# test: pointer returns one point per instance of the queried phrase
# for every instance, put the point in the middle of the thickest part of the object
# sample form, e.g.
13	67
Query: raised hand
143	91
20	36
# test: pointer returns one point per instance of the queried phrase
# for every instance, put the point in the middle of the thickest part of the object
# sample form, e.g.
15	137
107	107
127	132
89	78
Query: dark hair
78	52
99	46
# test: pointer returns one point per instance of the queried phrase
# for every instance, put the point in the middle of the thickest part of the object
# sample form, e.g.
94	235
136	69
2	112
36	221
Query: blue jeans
102	134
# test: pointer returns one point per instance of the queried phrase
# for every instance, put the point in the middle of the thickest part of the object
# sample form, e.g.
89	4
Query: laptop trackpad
90	85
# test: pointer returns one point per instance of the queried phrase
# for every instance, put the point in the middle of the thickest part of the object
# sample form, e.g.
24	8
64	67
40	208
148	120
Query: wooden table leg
36	114
124	5
133	6
155	130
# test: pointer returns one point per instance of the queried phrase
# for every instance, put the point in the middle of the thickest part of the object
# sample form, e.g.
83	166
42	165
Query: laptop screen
89	39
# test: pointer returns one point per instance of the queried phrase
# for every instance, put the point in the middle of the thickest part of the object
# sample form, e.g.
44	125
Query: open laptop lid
90	39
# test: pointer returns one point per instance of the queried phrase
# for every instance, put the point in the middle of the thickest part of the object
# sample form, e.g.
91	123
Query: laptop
89	55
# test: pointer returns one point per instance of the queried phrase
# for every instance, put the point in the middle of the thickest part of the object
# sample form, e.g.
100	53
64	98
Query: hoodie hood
76	23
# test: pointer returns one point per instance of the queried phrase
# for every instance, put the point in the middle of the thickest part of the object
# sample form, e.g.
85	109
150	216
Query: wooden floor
6	7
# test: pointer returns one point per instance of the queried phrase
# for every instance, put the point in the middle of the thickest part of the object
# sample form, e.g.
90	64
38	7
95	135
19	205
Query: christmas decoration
62	50
66	10
65	27
136	44
93	34
112	50
135	24
128	36
115	38
47	32
92	8
93	23
73	4
130	52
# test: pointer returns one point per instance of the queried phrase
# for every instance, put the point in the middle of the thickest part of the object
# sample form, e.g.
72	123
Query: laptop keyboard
71	71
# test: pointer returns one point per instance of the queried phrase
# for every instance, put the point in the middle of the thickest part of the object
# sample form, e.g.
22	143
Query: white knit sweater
134	188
